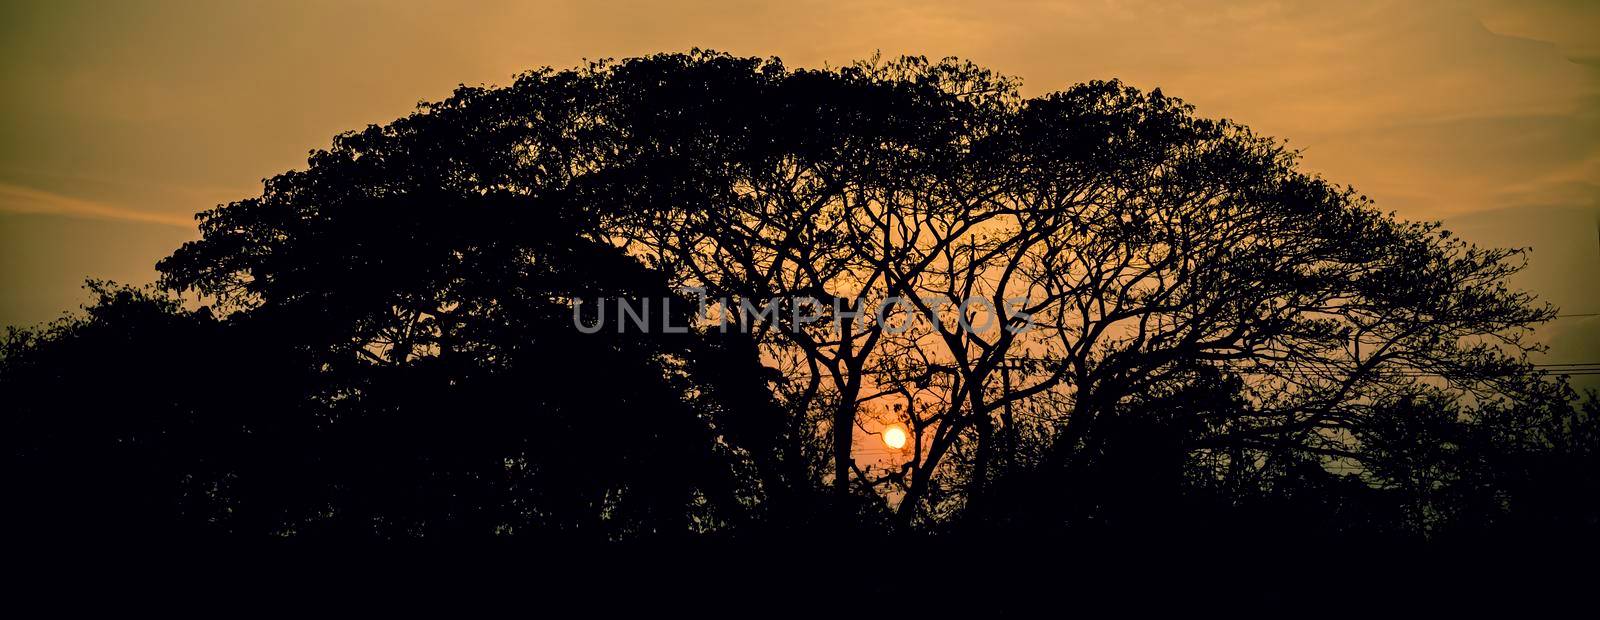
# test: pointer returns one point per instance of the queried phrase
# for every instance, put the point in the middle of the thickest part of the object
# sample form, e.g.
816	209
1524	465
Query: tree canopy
1105	307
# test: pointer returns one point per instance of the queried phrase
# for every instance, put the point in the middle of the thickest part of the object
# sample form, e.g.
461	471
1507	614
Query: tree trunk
978	486
844	423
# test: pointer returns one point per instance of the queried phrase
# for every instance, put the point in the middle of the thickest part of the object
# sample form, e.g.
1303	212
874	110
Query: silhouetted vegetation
1187	335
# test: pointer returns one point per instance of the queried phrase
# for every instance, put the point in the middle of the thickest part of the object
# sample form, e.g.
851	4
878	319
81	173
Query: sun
894	436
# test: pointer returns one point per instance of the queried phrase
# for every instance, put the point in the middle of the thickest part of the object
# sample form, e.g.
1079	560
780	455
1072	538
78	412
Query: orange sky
121	119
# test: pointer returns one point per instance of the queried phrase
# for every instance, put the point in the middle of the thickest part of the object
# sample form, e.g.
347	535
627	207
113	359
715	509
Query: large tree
1094	280
1119	243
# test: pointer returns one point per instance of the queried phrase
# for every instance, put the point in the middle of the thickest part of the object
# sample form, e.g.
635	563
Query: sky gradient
120	120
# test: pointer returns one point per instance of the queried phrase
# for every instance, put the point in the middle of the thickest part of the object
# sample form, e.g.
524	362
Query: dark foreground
862	577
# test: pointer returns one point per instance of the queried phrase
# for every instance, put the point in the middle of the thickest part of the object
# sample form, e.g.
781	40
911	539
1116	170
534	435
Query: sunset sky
121	119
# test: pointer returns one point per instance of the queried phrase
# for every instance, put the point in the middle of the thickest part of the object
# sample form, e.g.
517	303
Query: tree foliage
1176	318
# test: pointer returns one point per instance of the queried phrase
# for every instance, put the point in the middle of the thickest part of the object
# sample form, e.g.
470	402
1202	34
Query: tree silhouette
352	412
1090	309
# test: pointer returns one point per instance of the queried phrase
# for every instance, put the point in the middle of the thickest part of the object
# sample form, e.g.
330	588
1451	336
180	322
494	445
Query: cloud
19	199
1573	25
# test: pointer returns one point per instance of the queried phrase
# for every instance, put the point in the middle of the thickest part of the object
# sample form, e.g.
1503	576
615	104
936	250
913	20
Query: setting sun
894	436
1171	291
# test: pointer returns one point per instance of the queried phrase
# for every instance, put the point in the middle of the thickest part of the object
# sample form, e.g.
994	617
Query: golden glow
894	436
123	119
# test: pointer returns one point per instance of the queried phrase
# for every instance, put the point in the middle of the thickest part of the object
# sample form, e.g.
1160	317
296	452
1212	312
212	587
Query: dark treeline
1214	342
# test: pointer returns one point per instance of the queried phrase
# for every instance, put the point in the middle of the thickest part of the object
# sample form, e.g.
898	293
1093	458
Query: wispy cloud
20	199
